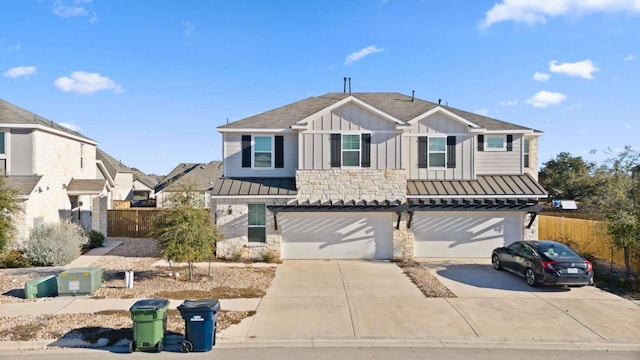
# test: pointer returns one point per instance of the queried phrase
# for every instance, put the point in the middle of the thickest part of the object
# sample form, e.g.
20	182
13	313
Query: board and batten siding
440	125
350	119
501	162
233	157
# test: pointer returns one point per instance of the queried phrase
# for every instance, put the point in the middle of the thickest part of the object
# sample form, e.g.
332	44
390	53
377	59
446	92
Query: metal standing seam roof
397	105
255	187
522	186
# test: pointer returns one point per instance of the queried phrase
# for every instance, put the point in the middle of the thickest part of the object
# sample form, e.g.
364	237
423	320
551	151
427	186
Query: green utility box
80	281
41	287
149	324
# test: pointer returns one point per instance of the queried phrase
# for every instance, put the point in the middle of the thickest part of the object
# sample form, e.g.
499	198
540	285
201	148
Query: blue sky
151	80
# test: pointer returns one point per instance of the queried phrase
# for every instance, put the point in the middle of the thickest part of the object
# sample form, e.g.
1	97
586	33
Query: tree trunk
627	262
190	271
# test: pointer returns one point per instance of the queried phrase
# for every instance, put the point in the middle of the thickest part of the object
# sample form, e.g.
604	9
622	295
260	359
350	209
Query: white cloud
545	98
82	82
18	71
74	8
16	47
483	112
537	11
630	57
70	126
538	76
513	102
583	69
353	57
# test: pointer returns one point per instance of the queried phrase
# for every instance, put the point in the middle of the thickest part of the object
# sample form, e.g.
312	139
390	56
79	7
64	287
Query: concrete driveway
348	300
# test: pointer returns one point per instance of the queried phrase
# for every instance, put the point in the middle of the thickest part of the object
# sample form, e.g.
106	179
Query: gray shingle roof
24	185
202	176
12	114
254	186
397	105
86	186
485	185
112	165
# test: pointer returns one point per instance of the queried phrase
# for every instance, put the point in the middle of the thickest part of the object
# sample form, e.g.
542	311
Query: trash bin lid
200	305
154	304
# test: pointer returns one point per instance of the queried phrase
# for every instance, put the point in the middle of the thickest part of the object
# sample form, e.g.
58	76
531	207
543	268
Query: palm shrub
54	244
96	239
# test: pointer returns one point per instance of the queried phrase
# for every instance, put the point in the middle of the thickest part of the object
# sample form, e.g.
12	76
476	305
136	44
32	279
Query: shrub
269	256
14	259
96	239
54	244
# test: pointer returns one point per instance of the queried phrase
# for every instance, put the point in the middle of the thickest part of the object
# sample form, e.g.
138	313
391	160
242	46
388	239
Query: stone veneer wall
232	221
531	233
351	184
403	240
533	158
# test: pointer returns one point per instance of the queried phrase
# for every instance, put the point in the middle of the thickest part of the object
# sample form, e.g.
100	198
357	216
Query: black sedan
544	262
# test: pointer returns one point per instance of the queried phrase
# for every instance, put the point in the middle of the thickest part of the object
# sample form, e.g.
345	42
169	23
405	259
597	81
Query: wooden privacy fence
135	223
586	236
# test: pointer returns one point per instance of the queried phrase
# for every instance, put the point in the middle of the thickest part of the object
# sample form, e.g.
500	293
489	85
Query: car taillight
549	265
589	265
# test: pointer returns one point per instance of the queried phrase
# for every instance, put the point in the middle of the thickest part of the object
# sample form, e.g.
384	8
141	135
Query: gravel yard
424	280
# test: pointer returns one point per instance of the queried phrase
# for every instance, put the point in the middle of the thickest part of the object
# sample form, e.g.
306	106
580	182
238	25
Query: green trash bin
149	324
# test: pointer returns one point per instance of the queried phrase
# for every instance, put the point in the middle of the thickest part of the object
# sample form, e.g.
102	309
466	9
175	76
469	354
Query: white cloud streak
543	99
512	102
82	82
583	69
358	55
538	76
537	11
74	8
630	57
19	71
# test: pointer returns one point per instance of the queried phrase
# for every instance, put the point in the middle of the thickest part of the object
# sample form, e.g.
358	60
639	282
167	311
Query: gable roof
23	185
15	116
112	165
202	176
399	106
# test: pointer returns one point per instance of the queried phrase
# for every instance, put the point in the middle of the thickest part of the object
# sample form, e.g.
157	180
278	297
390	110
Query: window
3	154
257	221
495	143
437	152
526	153
350	150
81	156
263	151
2	143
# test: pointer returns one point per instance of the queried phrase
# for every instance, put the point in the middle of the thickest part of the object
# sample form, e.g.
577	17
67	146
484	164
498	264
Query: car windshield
557	251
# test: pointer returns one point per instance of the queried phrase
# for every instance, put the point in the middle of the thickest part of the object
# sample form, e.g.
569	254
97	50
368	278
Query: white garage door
464	234
343	235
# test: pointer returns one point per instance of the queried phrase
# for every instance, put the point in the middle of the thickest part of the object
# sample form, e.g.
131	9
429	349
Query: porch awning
23	185
86	187
338	205
230	187
467	204
484	186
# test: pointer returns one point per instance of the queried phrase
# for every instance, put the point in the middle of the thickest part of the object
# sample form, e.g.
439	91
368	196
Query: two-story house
131	186
375	176
198	177
53	169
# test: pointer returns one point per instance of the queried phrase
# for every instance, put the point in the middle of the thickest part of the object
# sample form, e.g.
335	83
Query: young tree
569	177
618	201
8	208
184	232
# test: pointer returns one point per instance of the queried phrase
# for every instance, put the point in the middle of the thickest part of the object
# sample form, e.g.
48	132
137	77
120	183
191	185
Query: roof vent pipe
439	101
344	91
349	86
413	95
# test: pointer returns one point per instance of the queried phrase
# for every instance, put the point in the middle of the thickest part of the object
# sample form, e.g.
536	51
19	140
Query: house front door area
336	235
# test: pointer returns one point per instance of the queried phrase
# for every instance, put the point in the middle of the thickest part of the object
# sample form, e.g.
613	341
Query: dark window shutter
451	152
509	142
335	150
365	160
279	151
480	142
422	151
246	151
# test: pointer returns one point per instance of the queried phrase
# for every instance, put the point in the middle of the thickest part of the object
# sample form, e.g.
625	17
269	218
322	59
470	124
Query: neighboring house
131	185
200	177
53	169
375	176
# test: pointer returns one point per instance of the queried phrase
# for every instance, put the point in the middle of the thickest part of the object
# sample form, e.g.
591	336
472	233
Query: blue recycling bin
200	324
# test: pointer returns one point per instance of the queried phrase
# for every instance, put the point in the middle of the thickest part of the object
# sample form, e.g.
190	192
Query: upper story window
350	150
81	156
437	152
526	153
262	151
495	142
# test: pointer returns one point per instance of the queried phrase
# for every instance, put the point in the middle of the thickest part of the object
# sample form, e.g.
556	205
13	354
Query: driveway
368	300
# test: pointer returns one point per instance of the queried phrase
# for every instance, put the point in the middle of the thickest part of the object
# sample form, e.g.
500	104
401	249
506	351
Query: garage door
464	234
343	235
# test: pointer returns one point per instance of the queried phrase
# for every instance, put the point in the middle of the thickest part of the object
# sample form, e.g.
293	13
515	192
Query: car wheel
495	261
530	277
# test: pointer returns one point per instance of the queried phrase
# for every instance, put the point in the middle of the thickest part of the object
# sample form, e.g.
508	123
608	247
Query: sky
151	80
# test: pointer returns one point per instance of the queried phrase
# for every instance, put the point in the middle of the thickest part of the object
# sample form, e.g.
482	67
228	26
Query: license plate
572	270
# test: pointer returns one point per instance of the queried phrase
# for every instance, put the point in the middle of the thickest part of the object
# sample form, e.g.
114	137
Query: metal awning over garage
338	205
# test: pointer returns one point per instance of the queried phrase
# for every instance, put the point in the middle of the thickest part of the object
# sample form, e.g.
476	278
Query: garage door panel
471	234
336	235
